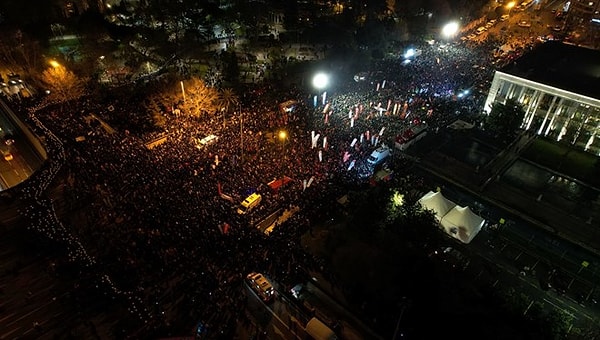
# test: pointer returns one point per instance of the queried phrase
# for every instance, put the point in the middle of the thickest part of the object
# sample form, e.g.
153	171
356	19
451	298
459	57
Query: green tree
505	119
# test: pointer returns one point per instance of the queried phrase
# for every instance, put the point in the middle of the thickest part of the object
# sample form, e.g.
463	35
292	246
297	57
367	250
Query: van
379	155
208	140
249	203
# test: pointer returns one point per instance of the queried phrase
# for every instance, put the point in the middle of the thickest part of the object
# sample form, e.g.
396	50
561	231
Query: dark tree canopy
505	119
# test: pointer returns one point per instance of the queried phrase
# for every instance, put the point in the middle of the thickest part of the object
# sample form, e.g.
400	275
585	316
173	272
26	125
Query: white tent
438	203
462	224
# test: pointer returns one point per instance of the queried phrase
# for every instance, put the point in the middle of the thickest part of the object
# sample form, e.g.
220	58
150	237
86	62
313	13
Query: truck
319	331
409	136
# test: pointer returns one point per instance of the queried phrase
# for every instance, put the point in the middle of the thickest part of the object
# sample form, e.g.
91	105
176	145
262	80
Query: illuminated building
559	88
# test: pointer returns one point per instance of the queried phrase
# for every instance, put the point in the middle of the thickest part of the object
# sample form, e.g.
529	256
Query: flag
315	140
346	156
320	155
325	142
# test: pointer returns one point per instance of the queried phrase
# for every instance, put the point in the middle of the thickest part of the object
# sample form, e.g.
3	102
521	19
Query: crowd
151	221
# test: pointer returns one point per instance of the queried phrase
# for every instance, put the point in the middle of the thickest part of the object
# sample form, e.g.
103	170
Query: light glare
320	80
450	29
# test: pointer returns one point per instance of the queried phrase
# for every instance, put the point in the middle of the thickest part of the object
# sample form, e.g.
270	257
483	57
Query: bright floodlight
450	29
320	80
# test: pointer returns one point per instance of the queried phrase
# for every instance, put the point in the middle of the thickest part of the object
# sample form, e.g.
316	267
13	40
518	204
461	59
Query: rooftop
567	67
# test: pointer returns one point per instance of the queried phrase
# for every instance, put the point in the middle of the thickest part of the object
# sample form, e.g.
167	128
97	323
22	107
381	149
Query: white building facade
550	110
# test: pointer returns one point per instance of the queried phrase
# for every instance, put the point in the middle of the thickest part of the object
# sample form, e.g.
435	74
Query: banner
325	142
312	178
351	122
320	155
351	165
315	139
353	142
381	131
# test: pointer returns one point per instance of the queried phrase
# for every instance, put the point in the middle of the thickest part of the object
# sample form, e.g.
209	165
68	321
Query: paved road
19	157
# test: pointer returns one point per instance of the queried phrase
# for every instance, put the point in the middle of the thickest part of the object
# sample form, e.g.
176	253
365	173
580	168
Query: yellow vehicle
260	285
249	203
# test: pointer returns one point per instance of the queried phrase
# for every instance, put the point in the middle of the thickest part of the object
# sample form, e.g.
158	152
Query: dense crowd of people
156	226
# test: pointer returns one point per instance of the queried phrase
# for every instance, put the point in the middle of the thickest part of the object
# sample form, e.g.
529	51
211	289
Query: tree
504	119
63	84
19	53
191	96
228	99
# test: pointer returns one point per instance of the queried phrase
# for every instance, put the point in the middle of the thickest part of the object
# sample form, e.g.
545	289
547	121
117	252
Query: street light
450	29
283	138
320	81
510	6
54	63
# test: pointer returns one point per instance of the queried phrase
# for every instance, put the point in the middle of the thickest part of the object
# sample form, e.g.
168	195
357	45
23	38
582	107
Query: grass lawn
564	159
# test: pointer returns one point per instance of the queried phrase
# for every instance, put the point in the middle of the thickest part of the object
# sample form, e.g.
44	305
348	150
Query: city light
450	29
282	135
320	80
54	63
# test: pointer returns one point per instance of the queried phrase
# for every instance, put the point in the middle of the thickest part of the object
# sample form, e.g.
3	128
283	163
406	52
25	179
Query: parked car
504	17
524	23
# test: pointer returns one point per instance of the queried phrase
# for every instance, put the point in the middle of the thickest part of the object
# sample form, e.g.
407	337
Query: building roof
567	67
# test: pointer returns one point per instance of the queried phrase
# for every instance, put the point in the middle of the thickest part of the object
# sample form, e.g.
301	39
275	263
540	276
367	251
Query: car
504	17
557	28
524	23
493	21
481	30
489	25
7	156
261	286
471	36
